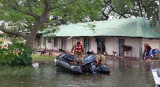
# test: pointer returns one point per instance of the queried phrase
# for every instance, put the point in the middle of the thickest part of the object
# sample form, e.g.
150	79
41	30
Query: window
55	42
49	40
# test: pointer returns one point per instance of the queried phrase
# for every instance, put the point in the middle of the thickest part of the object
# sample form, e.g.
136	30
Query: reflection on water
123	74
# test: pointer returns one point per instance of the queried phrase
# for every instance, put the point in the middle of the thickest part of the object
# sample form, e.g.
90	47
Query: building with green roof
111	34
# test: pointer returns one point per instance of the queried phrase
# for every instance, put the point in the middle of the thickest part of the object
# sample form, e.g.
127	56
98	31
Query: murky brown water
123	74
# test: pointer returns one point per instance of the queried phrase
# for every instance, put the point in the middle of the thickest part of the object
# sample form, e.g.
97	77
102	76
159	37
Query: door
63	43
100	45
87	45
121	42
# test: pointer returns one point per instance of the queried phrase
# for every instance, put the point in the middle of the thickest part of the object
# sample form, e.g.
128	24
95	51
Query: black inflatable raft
90	64
65	61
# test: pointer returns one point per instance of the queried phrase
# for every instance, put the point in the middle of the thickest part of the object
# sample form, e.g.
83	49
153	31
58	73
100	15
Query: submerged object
65	61
156	76
35	64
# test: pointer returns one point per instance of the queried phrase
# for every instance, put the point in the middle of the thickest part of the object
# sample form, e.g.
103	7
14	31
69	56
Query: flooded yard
124	73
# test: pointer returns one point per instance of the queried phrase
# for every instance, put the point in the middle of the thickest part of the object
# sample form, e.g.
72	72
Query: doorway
87	44
121	42
100	45
63	43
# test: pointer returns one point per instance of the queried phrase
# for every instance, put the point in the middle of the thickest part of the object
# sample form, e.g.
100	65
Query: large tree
130	8
133	8
24	18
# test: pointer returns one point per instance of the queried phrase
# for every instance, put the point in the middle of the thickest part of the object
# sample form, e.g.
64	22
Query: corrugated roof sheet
130	27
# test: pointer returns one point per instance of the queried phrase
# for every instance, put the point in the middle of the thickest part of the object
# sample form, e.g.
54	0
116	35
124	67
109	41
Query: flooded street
124	73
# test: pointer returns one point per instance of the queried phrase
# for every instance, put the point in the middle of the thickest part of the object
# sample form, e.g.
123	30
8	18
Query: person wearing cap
78	51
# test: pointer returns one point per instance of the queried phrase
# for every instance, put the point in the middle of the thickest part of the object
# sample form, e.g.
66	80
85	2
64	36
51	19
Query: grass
43	58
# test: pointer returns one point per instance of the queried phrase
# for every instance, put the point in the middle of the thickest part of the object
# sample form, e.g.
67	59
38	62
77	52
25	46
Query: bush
16	54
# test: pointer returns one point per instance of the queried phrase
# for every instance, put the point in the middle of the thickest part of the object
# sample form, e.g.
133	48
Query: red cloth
78	48
99	61
71	62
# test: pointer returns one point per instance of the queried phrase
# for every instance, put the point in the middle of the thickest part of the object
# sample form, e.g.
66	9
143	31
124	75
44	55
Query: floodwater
124	73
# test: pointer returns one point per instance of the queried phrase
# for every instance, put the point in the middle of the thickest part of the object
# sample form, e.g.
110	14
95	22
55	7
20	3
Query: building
110	34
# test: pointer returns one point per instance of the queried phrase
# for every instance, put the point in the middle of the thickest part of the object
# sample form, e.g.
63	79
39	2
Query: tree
24	18
138	8
130	8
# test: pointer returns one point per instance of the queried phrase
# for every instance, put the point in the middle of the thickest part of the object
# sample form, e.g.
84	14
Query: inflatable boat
156	76
65	61
90	64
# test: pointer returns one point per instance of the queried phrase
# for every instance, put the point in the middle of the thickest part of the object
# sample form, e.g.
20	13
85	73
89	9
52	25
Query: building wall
136	46
69	44
93	44
111	44
42	45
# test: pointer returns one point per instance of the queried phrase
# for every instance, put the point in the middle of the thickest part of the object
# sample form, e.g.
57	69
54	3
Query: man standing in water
78	51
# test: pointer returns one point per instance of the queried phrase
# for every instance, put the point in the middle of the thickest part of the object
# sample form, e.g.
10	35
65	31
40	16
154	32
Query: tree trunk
32	35
29	43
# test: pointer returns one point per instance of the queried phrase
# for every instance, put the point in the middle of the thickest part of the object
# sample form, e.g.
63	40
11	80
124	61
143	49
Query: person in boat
78	51
147	49
99	57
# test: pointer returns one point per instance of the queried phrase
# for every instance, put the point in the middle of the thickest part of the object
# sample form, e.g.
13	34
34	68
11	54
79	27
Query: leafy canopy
19	13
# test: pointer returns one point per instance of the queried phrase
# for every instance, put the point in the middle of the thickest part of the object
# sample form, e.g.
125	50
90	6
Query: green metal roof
130	27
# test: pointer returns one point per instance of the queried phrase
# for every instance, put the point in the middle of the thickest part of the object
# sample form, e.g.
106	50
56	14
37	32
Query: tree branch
64	4
140	7
5	30
29	5
114	9
53	22
45	14
29	13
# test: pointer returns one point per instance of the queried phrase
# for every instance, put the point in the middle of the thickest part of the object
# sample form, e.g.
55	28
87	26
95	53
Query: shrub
16	54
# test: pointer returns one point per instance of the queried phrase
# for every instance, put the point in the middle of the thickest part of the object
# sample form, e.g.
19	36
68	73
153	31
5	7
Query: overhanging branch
53	22
114	9
5	30
64	4
25	12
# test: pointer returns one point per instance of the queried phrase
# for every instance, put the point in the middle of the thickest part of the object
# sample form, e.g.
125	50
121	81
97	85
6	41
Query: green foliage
16	54
137	8
92	27
15	12
80	10
50	31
